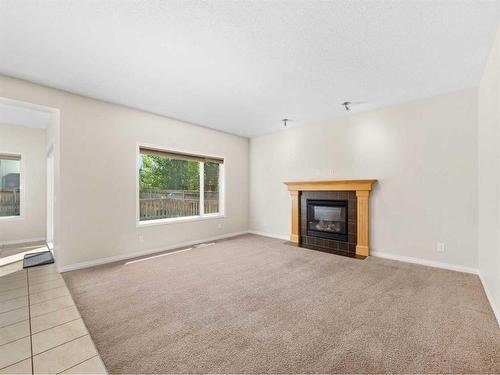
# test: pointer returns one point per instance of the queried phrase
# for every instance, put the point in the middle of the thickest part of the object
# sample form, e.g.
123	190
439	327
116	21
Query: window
10	185
211	180
174	185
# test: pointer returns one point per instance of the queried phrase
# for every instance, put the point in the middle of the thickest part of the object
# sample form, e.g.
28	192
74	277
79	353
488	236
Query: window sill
174	220
11	218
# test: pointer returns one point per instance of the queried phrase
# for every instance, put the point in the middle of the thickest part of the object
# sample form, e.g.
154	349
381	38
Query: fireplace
327	219
331	216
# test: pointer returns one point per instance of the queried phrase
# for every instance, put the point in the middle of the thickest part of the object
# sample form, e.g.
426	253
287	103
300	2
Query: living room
250	186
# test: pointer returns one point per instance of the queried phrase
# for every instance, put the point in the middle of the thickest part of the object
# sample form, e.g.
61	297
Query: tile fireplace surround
362	189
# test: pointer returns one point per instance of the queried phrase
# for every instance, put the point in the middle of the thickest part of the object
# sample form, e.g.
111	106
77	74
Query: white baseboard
489	295
14	242
425	262
277	236
116	258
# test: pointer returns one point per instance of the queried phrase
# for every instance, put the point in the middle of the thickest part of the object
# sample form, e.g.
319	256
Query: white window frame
184	219
22	201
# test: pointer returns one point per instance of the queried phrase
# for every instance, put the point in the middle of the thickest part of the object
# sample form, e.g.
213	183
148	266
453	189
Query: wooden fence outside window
10	203
161	204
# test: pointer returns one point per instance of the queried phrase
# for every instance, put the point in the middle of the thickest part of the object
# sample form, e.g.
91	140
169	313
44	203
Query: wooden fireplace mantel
362	189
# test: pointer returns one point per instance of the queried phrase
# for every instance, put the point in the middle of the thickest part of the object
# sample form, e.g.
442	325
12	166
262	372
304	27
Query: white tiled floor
41	331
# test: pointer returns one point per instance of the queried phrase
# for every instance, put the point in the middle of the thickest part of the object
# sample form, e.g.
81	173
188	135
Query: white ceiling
11	114
242	66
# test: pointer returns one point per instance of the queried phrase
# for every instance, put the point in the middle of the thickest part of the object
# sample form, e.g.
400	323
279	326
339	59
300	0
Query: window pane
168	187
10	186
211	187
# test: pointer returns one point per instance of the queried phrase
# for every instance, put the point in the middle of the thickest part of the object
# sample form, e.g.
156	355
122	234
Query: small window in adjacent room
174	185
10	185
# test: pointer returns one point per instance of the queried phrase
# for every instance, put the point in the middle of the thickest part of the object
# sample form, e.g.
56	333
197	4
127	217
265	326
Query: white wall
97	196
489	177
424	154
29	142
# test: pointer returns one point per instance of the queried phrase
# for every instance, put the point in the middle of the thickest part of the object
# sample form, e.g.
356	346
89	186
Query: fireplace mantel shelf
362	189
331	185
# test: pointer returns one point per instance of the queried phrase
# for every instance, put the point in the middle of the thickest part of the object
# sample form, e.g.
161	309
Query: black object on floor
38	259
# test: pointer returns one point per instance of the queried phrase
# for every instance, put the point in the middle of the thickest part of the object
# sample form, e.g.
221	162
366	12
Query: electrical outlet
219	225
331	172
441	247
141	238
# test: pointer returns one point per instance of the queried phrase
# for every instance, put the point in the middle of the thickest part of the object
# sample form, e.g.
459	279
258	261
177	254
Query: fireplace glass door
327	219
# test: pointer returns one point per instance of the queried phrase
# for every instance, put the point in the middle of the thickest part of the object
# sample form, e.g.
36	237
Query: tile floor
41	331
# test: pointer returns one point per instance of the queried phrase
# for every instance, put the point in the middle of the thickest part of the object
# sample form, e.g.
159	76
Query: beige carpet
255	305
